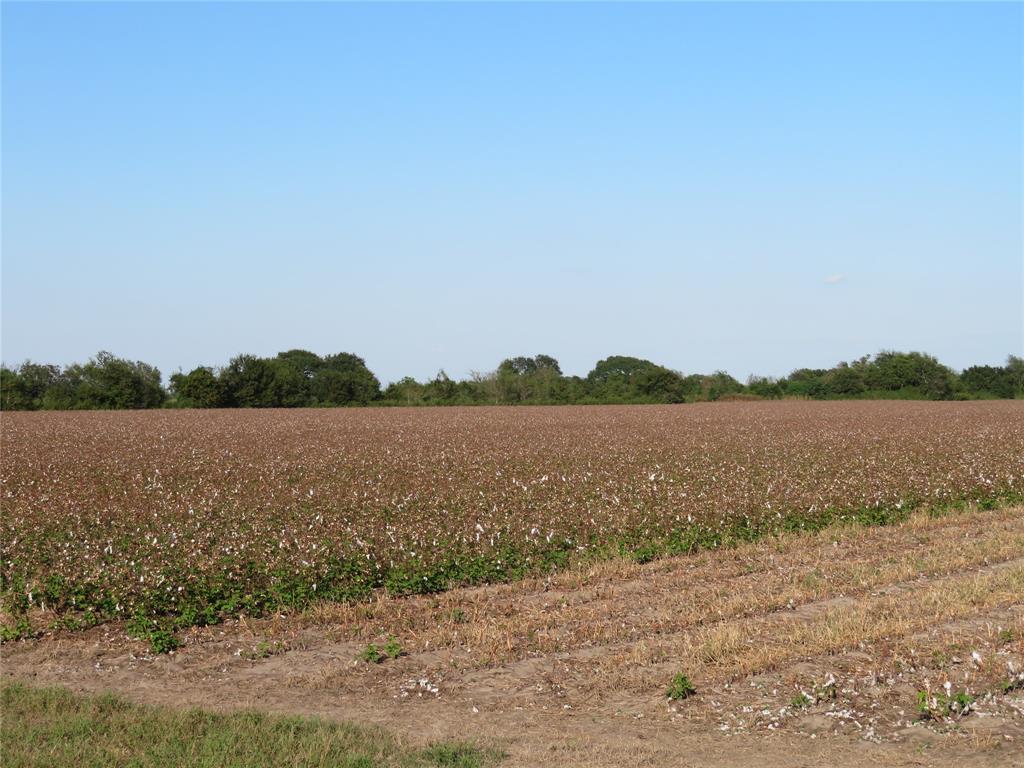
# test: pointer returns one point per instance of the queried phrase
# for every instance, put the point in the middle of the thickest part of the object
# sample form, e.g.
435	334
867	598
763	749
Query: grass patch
52	726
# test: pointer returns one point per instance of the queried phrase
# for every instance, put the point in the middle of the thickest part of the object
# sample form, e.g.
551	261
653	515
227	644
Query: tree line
299	378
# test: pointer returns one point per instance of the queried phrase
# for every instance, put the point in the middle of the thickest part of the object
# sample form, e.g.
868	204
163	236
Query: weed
939	705
162	641
1014	684
21	630
458	616
264	650
801	701
392	648
1016	680
456	755
372	654
160	638
681	687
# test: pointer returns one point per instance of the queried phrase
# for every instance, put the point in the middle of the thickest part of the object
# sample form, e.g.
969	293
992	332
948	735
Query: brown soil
573	670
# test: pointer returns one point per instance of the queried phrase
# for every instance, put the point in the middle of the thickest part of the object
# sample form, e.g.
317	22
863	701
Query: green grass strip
52	726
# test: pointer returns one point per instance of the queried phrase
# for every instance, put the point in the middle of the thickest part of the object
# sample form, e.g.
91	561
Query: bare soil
804	650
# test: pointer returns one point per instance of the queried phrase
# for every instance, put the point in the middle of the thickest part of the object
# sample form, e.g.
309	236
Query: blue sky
742	187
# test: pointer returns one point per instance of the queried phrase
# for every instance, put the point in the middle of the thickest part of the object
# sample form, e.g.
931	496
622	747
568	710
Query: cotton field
198	514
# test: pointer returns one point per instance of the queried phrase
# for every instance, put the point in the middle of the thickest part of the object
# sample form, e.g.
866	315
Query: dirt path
808	650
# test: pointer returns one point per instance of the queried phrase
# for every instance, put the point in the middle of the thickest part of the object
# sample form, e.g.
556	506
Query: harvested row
622	602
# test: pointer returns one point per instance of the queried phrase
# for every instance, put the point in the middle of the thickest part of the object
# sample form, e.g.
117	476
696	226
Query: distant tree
764	386
547	363
805	382
631	379
485	387
298	377
303	361
13	394
617	367
291	387
1015	370
987	381
200	388
845	381
528	379
895	371
657	384
248	382
344	379
441	389
406	391
720	384
25	389
109	382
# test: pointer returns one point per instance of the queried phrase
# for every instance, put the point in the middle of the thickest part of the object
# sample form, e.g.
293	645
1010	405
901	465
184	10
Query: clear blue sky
745	187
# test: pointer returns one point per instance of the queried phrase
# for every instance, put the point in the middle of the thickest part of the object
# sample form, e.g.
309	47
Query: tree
200	388
1015	370
764	386
344	379
291	386
407	391
893	371
248	382
109	382
528	379
987	381
631	379
441	389
805	382
845	380
13	396
305	362
657	384
25	389
616	367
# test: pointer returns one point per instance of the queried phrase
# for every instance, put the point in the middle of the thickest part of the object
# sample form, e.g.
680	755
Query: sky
745	187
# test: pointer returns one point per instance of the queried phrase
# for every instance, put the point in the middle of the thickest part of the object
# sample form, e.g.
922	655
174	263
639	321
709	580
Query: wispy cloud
834	279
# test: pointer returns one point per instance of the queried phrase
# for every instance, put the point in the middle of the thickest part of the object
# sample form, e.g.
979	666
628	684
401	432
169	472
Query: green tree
441	389
109	382
623	379
248	382
845	380
894	371
303	361
13	394
805	382
200	388
764	386
528	379
1015	370
407	391
344	379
